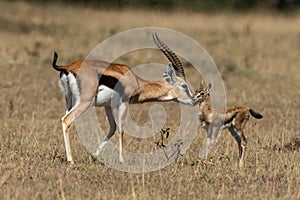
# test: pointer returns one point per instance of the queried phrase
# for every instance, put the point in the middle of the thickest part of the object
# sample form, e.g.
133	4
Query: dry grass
258	55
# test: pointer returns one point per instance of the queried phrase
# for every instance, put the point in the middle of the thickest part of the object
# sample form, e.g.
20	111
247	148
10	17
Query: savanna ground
257	54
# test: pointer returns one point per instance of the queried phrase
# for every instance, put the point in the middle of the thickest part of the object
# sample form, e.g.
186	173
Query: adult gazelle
114	86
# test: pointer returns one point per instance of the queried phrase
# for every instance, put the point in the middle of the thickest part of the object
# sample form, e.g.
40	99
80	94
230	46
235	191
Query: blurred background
196	5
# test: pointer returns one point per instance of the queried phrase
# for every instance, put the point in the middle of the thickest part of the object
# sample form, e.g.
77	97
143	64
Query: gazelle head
179	90
202	94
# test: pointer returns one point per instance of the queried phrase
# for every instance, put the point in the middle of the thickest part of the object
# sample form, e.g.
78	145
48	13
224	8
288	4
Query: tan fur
213	121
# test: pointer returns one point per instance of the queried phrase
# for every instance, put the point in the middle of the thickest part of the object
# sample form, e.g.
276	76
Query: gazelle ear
170	74
209	87
201	86
211	84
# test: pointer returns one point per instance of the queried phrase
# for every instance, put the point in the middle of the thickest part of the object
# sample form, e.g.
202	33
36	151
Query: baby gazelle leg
216	131
244	144
238	139
240	129
205	147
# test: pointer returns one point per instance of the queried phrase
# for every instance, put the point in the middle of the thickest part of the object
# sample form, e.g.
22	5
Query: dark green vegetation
195	5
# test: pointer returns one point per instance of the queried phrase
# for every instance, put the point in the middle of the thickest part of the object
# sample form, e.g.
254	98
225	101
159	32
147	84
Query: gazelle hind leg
244	146
112	130
238	139
240	130
67	121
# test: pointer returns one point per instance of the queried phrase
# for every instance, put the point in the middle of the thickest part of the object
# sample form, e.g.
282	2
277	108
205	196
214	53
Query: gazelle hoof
95	155
71	162
241	164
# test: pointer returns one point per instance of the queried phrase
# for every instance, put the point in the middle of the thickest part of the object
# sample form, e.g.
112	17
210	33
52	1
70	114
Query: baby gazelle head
202	93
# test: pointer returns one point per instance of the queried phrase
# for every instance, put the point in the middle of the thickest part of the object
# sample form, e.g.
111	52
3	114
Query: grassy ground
258	55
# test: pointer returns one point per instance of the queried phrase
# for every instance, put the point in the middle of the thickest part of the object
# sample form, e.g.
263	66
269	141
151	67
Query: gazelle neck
205	107
150	91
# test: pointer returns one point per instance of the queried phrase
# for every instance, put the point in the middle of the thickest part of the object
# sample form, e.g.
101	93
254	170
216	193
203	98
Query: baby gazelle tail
255	114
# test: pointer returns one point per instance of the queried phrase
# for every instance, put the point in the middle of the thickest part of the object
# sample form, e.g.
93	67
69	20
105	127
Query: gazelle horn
172	57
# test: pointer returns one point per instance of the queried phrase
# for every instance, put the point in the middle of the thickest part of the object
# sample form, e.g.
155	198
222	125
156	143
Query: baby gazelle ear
201	86
209	87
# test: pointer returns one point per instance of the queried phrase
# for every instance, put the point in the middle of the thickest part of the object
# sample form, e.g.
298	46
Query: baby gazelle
214	121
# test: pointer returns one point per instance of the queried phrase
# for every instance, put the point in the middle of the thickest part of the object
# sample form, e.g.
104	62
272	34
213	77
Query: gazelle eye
184	86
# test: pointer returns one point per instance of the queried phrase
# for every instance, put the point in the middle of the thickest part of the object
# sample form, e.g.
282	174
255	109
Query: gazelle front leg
121	119
112	124
204	150
216	131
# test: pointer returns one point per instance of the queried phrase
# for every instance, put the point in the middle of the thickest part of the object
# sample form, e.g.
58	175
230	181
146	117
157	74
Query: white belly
107	97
